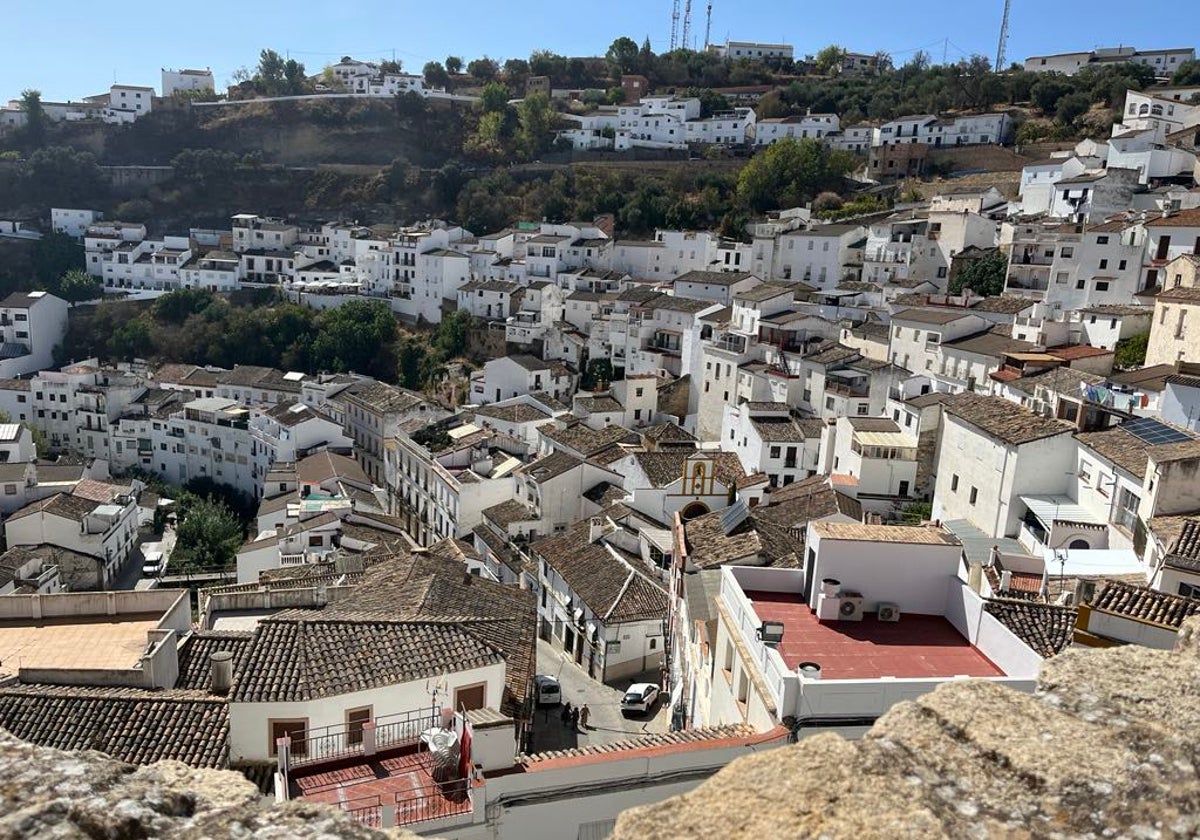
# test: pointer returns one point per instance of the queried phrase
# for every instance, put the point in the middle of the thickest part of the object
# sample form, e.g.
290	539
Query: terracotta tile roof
326	466
1073	352
754	537
500	548
551	466
1185	552
422	589
195	669
714	278
803	501
1119	447
664	466
66	506
1047	629
1060	380
610	587
1144	604
383	398
302	655
131	725
1180	218
929	316
518	413
668	433
637	742
586	440
508	512
912	535
1003	420
1004	304
786	429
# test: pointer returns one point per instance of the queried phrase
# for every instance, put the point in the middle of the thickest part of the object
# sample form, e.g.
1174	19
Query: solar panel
1153	432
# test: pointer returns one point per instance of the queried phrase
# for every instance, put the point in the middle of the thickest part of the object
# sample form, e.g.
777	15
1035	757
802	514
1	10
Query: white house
183	81
32	324
73	222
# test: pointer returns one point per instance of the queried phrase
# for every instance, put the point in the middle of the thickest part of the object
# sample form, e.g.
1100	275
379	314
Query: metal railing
434	801
329	743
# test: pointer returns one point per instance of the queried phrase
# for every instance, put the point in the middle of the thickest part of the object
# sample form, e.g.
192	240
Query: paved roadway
606	722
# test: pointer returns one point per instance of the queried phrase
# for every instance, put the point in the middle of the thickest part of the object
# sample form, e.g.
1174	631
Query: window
829	403
355	718
1085	472
1121	265
1189	590
1101	285
1067	252
470	697
863	408
315	540
10	489
775	451
1101	240
974	494
954	483
1103	264
293	728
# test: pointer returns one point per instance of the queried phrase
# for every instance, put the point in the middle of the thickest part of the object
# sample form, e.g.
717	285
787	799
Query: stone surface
1106	747
45	793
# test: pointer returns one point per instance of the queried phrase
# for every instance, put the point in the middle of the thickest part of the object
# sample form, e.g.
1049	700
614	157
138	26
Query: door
295	729
355	719
904	488
1164	245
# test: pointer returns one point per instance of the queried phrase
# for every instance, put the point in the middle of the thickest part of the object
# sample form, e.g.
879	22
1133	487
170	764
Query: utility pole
1003	45
674	23
708	26
687	25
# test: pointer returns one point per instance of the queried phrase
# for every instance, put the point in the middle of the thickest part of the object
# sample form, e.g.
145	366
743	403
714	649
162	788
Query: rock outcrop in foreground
1107	747
48	793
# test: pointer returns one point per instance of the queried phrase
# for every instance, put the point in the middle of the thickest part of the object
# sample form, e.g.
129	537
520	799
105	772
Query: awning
1089	563
898	440
1059	508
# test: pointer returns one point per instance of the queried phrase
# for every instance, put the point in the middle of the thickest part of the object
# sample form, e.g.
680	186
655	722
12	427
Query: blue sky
70	48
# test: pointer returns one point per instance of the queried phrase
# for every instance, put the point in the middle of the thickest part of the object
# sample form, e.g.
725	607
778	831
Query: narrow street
606	723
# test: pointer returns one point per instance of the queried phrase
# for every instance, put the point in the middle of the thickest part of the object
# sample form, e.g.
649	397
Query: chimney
221	672
1005	580
595	528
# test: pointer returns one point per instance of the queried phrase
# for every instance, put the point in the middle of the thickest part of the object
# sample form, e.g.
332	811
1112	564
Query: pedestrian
575	719
584	714
566	714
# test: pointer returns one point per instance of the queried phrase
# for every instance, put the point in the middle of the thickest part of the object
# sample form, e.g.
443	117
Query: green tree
435	75
536	119
354	337
829	60
177	306
622	57
1072	106
34	130
208	537
791	173
484	69
711	102
493	97
1188	74
54	255
454	65
1130	352
77	285
984	276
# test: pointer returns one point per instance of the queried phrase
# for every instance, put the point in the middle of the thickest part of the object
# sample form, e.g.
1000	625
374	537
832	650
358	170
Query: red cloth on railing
464	752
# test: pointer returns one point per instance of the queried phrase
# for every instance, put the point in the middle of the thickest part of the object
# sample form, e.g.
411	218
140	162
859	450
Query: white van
153	564
546	690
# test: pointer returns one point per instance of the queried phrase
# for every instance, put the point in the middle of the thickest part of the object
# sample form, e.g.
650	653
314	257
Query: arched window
1079	544
694	510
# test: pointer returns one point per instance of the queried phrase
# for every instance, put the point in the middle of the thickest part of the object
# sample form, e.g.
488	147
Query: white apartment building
32	324
786	639
76	406
770	130
821	256
73	222
127	103
928	129
96	524
1163	62
751	51
183	81
917	335
769	440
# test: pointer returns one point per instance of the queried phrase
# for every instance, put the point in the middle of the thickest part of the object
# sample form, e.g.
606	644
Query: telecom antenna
674	24
1000	48
708	26
687	25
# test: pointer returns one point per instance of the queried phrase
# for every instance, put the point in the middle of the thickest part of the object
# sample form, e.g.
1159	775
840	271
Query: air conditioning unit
851	607
887	612
828	607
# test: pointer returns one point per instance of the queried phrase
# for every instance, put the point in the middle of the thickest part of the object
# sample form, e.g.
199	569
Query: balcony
382	772
847	389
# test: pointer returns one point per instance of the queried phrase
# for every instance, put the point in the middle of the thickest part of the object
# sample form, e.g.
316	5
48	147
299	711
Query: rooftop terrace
916	647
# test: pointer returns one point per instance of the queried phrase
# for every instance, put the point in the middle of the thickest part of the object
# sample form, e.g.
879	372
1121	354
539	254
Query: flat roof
915	647
104	642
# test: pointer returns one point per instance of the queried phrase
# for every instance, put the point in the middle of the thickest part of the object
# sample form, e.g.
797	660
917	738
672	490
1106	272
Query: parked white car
640	697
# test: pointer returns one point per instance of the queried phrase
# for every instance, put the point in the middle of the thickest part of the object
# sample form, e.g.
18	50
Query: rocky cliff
48	793
1106	747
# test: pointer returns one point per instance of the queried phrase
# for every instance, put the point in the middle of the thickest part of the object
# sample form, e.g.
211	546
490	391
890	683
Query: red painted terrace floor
915	647
364	785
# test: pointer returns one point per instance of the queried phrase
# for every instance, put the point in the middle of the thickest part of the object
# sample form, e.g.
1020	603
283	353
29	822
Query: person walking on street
566	714
575	719
584	714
